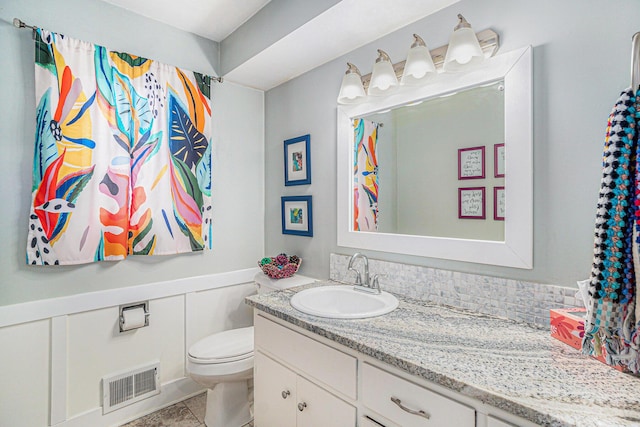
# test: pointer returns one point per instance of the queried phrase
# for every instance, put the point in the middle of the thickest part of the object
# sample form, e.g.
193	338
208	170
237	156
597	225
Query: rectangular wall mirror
443	170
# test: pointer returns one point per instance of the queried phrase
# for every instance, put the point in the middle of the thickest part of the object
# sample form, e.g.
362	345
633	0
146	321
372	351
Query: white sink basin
343	302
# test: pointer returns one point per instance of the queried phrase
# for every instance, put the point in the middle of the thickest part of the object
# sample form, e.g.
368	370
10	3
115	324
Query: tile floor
188	413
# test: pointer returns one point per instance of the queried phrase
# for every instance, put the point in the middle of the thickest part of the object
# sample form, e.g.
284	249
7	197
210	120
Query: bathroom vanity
426	365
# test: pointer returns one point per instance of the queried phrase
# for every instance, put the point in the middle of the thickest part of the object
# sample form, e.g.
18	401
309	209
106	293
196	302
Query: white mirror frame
515	68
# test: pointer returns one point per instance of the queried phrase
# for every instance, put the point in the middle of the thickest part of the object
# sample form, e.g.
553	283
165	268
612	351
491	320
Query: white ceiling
211	19
306	47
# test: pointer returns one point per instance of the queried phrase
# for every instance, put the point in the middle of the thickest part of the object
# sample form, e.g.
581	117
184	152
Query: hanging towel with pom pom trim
612	322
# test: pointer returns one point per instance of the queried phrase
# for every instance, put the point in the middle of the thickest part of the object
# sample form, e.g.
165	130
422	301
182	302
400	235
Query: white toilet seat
222	347
224	356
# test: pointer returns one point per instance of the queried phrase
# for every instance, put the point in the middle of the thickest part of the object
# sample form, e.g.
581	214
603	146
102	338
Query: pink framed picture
471	203
498	203
471	163
498	160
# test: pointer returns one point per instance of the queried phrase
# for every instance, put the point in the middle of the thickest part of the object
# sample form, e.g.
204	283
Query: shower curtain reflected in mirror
365	179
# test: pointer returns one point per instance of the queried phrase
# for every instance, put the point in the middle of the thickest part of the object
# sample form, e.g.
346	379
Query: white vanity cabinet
297	380
304	380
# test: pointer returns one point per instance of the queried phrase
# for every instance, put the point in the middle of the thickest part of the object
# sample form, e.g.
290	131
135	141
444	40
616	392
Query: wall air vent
125	388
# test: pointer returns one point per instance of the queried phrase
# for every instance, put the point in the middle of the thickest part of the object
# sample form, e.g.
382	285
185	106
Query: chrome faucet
362	281
359	281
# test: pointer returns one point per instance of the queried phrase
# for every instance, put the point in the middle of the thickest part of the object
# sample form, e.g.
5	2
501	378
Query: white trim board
47	308
58	372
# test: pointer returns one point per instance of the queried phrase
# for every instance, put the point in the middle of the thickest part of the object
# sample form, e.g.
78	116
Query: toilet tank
267	284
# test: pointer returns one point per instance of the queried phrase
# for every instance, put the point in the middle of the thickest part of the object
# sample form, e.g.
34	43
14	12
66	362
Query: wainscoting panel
96	348
24	364
55	352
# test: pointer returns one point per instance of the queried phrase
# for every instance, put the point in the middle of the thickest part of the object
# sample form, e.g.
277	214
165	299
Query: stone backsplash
512	299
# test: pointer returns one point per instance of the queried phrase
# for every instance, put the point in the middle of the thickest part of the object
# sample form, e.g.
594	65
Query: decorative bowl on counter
281	266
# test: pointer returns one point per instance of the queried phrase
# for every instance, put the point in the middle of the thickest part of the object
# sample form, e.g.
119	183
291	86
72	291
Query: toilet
223	362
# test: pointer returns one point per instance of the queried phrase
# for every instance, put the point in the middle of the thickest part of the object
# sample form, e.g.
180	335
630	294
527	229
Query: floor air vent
129	387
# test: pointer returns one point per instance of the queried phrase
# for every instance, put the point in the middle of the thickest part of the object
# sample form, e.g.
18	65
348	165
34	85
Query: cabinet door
317	407
274	393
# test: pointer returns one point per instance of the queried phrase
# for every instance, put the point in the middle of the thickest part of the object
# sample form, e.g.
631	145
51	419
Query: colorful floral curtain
365	176
122	162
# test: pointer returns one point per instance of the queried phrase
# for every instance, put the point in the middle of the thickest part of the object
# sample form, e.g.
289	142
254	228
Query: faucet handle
358	277
374	283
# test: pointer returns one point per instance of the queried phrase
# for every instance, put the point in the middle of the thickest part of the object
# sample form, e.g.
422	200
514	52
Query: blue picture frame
297	215
297	161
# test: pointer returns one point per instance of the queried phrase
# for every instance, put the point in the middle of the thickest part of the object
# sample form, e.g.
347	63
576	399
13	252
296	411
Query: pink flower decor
281	266
282	259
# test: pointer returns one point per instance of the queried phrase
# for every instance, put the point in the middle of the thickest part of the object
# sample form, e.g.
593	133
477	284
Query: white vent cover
125	388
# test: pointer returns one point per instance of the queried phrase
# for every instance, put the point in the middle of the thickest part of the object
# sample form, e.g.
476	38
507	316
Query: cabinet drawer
318	361
495	422
367	422
370	422
380	387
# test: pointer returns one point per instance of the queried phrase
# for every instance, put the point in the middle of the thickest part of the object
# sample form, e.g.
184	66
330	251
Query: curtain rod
18	23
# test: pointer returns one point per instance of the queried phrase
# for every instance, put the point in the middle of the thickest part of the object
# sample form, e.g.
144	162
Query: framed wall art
498	203
471	163
471	203
498	160
297	161
297	215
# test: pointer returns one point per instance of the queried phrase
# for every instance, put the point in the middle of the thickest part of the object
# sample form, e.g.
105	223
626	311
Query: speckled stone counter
499	362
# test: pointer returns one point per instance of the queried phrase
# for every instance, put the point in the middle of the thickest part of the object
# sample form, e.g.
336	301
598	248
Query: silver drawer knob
285	394
301	406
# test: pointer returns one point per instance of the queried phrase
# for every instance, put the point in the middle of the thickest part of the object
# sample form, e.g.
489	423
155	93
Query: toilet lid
227	346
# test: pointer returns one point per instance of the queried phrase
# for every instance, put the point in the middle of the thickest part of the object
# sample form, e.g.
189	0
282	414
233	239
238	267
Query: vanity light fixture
383	76
464	48
351	90
419	66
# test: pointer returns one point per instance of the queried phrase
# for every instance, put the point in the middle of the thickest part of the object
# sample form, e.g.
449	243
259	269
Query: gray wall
581	63
238	154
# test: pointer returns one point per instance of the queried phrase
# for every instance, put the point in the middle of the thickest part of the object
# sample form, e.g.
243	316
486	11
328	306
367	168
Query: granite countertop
502	363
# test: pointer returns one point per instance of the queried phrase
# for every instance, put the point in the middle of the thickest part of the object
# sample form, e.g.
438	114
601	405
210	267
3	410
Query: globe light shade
419	67
383	76
351	90
464	49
